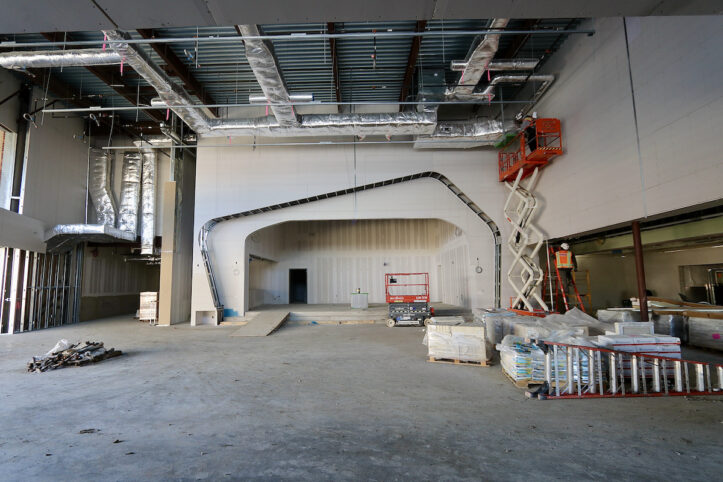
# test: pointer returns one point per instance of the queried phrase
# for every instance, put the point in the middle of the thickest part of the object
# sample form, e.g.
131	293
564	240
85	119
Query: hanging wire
45	96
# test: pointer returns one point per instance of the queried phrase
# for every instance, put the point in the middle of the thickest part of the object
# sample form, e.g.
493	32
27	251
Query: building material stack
148	310
453	340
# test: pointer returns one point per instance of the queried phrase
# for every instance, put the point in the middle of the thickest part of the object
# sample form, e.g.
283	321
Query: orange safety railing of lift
414	290
548	144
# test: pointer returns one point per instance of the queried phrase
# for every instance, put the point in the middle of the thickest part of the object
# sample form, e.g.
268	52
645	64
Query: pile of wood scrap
65	355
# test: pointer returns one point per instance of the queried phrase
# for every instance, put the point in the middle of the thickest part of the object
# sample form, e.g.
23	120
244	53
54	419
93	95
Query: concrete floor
321	402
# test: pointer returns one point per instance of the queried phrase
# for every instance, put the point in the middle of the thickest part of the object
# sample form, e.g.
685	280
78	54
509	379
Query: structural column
640	272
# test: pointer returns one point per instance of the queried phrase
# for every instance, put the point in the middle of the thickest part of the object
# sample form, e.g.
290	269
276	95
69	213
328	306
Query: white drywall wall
56	170
677	66
343	255
235	178
23	232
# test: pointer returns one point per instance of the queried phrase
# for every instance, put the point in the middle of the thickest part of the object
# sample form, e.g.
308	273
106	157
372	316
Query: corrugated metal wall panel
341	256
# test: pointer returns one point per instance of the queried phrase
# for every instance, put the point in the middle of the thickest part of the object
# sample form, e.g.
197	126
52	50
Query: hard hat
565	246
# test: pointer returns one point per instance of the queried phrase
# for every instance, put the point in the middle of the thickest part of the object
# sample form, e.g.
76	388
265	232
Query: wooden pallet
453	361
521	383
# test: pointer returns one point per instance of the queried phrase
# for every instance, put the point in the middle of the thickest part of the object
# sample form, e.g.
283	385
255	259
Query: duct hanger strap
168	91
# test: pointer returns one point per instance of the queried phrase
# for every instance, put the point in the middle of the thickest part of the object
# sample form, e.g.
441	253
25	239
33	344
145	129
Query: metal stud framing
39	290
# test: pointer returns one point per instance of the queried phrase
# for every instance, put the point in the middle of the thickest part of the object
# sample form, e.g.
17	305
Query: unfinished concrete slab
322	403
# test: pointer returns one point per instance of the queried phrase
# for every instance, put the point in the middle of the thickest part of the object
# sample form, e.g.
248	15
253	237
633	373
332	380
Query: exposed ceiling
76	15
346	69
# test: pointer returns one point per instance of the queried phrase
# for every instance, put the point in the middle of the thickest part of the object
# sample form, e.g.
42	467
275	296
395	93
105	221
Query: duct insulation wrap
260	56
464	135
392	124
497	65
168	91
489	92
58	58
99	187
130	193
477	60
148	201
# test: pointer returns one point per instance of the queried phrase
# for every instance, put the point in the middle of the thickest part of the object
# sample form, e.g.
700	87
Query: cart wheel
427	321
391	323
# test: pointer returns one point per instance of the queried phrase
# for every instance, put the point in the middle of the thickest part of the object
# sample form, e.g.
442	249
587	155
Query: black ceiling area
338	63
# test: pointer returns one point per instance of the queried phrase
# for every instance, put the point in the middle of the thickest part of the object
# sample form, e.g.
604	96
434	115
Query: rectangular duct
99	188
478	59
130	192
148	201
58	58
168	91
393	124
260	56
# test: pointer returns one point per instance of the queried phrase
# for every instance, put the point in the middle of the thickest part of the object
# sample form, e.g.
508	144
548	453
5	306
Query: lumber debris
65	355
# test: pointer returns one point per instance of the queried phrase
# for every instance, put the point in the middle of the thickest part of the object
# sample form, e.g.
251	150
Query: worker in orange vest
566	263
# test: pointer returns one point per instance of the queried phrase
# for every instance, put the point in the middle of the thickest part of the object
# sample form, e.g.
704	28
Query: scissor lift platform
408	298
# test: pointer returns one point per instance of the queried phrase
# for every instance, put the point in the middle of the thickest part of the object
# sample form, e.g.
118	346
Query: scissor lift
521	158
517	156
408	298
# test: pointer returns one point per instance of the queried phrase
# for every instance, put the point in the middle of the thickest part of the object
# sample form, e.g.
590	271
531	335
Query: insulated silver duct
168	91
148	200
260	56
481	132
261	99
498	65
477	60
130	193
99	188
58	58
393	124
489	91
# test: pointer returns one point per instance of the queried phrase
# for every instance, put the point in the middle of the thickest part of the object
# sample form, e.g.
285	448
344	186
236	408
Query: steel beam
411	62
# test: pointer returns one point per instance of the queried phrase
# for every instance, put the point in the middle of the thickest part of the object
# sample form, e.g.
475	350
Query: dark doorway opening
297	286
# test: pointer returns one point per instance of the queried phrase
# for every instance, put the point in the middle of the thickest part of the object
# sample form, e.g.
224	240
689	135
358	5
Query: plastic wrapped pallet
525	362
612	315
658	345
494	322
634	327
705	332
461	341
148	306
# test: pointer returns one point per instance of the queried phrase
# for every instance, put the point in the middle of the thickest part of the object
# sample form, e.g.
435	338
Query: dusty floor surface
321	403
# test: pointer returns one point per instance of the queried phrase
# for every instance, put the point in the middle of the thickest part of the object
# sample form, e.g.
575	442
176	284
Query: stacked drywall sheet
633	328
658	345
456	340
703	331
645	344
